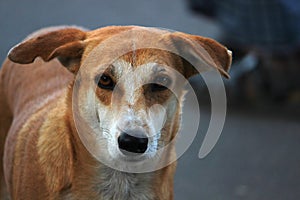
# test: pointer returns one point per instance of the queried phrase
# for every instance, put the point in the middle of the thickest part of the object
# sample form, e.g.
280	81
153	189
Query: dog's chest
124	186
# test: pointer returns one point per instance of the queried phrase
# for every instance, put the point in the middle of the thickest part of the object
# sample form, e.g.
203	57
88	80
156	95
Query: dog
46	154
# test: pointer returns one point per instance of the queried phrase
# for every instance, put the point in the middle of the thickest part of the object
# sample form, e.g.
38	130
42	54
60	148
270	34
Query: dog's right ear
66	44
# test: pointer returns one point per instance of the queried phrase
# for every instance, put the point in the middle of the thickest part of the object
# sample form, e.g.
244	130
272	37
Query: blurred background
258	153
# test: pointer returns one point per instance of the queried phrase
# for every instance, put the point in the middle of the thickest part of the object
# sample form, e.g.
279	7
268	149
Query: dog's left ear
204	52
66	44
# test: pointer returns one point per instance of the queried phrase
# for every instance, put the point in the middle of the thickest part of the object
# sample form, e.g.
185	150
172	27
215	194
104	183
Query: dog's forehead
138	57
147	61
135	45
121	68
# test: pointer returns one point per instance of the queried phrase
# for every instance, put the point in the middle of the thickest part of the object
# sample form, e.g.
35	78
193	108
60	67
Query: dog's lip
132	157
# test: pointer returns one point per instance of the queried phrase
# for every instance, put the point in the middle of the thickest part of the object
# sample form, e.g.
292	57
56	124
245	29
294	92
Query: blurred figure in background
265	38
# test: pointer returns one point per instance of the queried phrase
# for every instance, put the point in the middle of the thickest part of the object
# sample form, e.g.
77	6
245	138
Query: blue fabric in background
270	25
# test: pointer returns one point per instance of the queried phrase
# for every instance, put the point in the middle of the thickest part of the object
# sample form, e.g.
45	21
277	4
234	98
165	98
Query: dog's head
131	80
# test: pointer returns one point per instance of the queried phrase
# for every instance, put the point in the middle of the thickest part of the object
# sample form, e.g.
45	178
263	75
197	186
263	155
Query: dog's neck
117	185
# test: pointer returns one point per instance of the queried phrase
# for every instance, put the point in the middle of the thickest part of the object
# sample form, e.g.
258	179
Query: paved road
258	154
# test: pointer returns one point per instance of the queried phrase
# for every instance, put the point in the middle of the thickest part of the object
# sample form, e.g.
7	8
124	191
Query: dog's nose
132	144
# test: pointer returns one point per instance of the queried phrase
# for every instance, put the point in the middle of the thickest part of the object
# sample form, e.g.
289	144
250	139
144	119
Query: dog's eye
160	83
106	82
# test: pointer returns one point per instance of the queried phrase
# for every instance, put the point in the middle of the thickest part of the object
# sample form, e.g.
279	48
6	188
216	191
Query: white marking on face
157	114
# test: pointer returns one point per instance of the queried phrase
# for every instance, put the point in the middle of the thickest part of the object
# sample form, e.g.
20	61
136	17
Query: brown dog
45	156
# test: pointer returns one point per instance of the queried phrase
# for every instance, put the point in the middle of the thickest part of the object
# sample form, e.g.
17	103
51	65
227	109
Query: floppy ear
65	44
197	48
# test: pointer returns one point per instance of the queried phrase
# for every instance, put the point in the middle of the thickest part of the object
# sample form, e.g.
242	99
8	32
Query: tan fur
43	156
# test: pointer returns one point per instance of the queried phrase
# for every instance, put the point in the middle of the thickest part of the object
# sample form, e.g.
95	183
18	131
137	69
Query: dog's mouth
132	157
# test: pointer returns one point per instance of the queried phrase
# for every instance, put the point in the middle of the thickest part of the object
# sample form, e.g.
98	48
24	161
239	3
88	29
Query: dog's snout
132	143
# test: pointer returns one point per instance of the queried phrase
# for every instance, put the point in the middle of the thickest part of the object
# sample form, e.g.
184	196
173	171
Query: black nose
132	144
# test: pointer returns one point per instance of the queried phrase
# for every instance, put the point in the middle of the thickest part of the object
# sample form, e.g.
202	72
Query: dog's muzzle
133	142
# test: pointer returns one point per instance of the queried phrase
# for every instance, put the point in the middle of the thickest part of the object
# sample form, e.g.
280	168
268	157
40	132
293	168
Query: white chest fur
117	185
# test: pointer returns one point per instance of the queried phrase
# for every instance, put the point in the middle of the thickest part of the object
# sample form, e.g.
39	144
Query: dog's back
25	89
5	122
